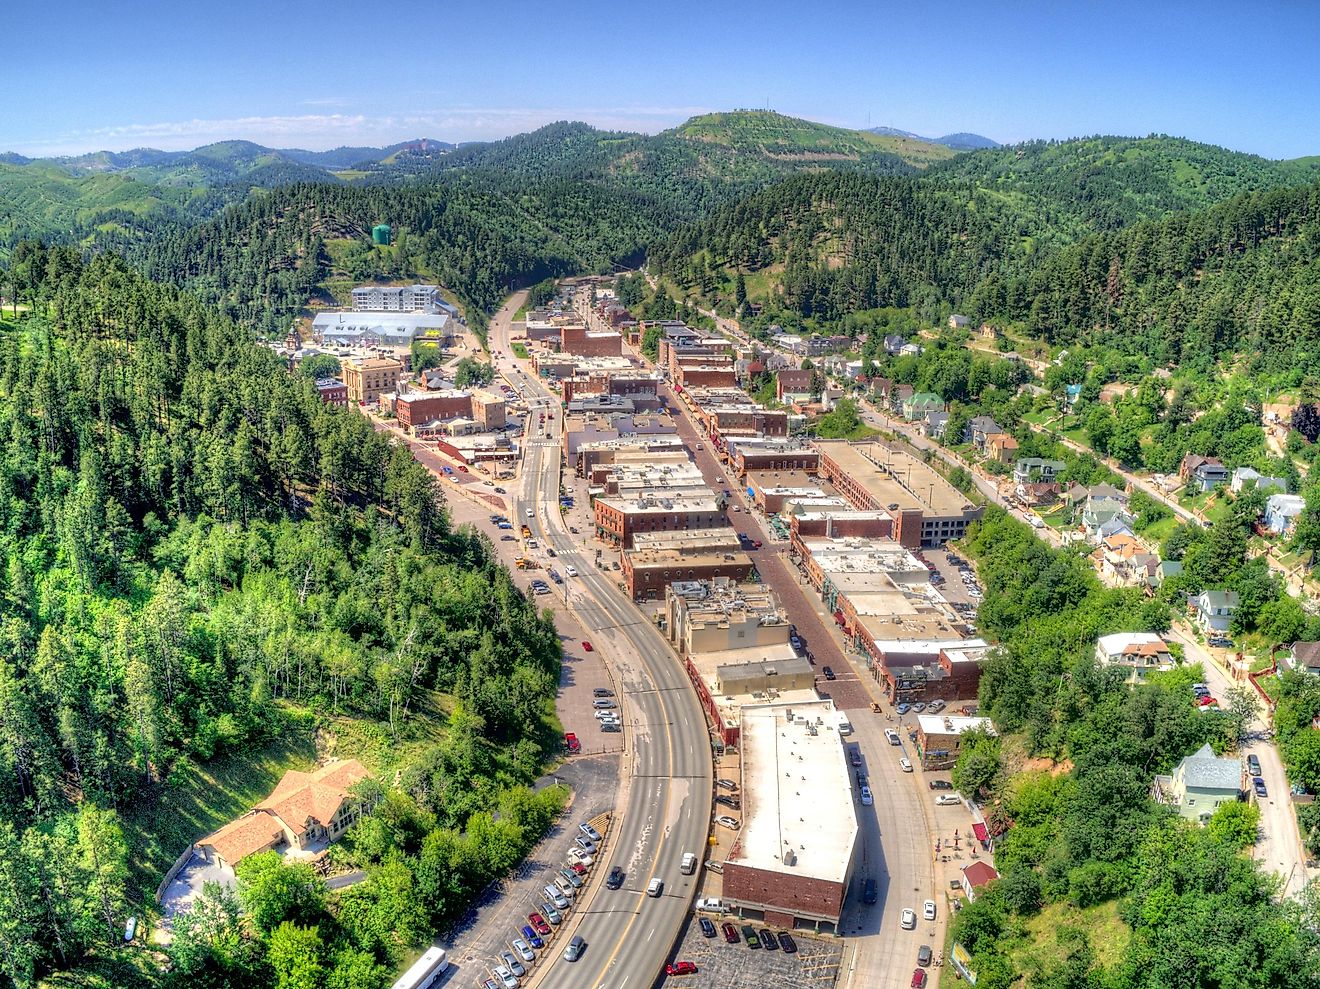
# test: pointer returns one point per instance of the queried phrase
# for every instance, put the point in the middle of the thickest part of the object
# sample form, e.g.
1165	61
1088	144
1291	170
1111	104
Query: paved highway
668	780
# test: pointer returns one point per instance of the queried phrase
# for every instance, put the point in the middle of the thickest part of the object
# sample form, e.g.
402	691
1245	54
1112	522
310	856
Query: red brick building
332	391
747	454
791	385
416	408
646	573
591	343
617	520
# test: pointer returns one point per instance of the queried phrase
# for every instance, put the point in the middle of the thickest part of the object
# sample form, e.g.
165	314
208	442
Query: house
1001	447
1037	469
1103	515
1215	609
898	398
1119	552
1246	478
1037	493
894	344
880	390
977	876
1200	785
1071	393
1162	572
1202	473
303	813
793	386
978	430
920	403
935	424
1281	512
957	322
1139	653
1304	657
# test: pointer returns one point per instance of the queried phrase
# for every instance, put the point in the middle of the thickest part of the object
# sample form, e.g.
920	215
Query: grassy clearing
1044	949
199	797
1159	531
124	968
520	350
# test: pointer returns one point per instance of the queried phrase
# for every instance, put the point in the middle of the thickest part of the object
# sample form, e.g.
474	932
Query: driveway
187	886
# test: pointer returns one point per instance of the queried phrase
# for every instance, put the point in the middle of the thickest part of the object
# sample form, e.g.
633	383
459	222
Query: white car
947	800
531	513
867	799
728	822
523	949
905	765
571	571
909	920
505	977
928	910
576	854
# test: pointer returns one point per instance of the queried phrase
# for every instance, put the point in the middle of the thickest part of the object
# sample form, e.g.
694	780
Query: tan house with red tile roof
304	809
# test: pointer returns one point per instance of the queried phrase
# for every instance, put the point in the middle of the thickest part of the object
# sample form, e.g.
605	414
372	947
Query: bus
428	970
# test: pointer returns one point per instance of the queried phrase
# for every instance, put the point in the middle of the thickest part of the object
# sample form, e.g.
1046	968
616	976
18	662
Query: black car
862	779
923	955
615	878
768	941
786	943
869	891
941	785
1259	785
707	927
829	673
750	936
728	801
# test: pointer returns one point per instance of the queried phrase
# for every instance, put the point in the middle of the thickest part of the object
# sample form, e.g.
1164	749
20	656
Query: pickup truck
571	742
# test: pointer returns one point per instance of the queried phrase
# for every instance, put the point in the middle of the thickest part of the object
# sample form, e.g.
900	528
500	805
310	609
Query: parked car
891	736
531	937
615	879
918	978
602	692
1259	785
611	726
947	800
1253	764
707	927
505	977
551	913
786	943
905	765
854	755
750	936
512	964
727	801
828	673
869	891
589	831
902	709
586	646
768	941
940	785
935	707
715	867
862	778
923	955
928	910
918	707
730	933
681	968
728	822
867	799
724	784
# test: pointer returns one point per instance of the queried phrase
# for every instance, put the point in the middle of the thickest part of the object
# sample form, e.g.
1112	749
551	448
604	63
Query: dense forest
198	552
1127	895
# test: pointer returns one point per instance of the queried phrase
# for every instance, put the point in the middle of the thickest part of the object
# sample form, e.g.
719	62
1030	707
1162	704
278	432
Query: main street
667	775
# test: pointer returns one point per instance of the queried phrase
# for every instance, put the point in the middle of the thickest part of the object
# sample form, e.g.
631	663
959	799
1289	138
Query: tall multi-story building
395	298
370	378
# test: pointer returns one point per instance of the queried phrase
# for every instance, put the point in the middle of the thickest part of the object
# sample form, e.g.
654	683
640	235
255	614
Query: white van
553	894
689	865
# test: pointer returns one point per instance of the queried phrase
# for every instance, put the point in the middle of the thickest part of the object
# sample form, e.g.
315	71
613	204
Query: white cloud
327	130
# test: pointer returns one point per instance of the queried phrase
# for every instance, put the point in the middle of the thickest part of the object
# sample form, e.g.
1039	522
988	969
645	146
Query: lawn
1043	950
520	350
1159	531
199	797
123	968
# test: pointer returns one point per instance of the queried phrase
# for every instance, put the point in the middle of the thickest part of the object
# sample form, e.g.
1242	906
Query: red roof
979	830
979	873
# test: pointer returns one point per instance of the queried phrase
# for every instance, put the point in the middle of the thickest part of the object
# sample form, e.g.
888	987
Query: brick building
578	339
793	386
617	519
647	572
939	738
415	408
332	391
754	453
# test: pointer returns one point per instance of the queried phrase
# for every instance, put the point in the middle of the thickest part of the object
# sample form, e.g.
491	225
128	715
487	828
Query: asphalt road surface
665	808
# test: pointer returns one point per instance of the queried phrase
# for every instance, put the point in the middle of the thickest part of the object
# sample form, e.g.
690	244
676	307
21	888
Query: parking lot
815	965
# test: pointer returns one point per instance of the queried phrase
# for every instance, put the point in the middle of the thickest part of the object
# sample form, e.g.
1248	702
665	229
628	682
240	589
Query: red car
462	468
730	933
538	922
586	646
919	978
578	867
681	968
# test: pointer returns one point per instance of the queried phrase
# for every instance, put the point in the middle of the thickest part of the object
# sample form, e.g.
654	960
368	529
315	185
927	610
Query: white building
395	298
1139	653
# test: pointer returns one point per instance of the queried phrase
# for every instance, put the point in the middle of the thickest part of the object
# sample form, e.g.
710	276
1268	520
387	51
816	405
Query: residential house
935	424
1139	653
978	430
899	395
1103	515
793	386
1202	473
1200	785
1071	393
880	390
1037	469
1037	493
1001	447
957	322
920	403
1244	478
1281	512
1162	572
1118	558
303	813
977	876
1304	657
910	350
1215	609
894	344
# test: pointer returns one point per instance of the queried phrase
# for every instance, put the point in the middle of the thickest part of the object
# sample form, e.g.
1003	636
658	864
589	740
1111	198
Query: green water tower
380	234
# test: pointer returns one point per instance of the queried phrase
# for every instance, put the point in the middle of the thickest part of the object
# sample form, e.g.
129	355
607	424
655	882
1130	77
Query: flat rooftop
859	555
953	724
798	814
686	558
895	478
694	539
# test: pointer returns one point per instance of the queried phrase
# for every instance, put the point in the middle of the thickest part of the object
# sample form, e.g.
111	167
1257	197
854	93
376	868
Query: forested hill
1102	183
201	557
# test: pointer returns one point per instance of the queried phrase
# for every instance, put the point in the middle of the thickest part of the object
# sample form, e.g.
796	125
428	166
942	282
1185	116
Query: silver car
512	963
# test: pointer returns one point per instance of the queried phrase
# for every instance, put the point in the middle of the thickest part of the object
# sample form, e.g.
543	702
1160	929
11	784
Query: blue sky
80	75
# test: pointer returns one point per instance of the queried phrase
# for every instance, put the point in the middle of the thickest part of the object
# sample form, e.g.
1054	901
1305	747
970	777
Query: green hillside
781	137
1108	182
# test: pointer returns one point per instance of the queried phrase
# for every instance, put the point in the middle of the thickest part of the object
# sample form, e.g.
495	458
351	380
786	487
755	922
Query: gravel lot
815	965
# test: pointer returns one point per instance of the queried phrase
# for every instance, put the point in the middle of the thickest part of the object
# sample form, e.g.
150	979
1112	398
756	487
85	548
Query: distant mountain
339	159
958	142
786	138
